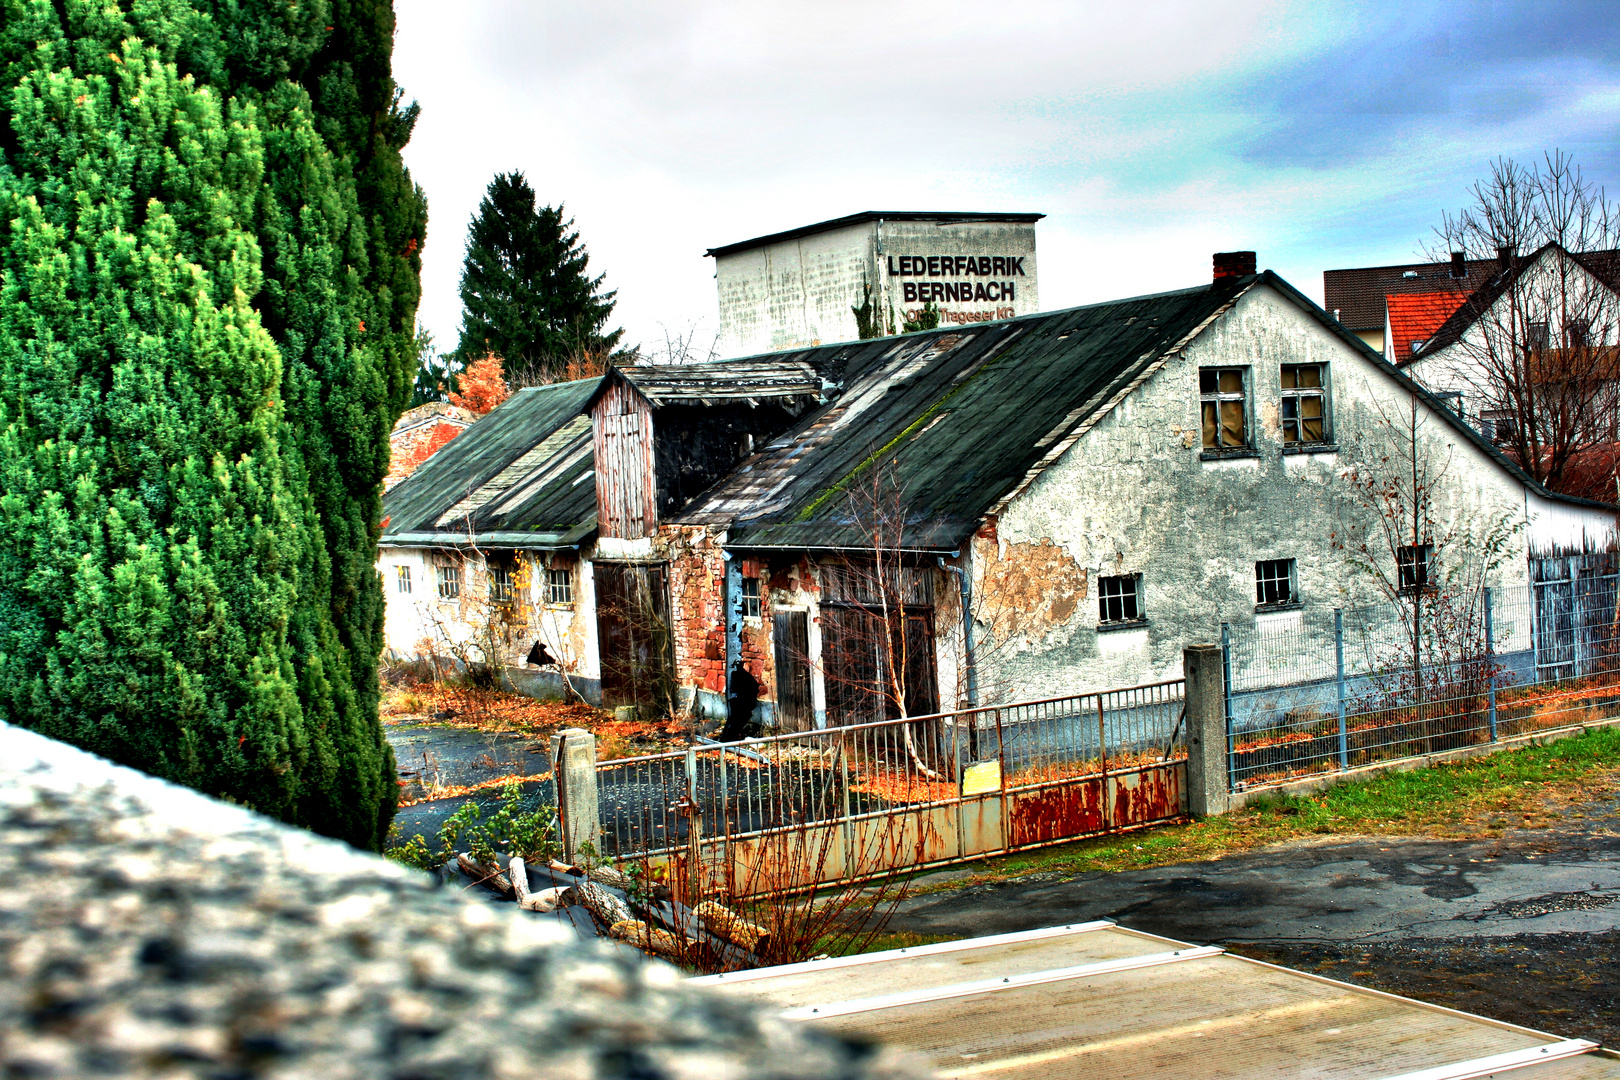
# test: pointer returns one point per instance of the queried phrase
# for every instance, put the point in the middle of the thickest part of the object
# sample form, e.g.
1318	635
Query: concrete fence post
573	770
1208	786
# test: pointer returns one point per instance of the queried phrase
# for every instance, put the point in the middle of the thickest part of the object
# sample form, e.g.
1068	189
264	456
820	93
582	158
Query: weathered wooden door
633	636
791	631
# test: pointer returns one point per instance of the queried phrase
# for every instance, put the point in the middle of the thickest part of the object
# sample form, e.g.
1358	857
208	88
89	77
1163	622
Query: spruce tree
303	223
525	293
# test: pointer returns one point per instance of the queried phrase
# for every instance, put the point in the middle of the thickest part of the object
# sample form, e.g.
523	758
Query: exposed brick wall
696	587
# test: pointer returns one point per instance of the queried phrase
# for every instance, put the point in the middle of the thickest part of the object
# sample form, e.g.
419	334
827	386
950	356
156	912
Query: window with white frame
1414	566
449	581
1304	404
559	586
1274	583
750	598
402	579
1119	599
501	590
1223	404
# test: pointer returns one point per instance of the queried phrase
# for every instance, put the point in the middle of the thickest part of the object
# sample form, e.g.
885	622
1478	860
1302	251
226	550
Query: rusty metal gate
849	803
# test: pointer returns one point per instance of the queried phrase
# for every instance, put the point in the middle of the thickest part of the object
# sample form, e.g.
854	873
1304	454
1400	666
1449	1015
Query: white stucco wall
1134	495
801	292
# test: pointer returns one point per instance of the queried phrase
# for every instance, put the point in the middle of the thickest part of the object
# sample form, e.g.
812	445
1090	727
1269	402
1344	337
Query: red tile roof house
1412	319
1359	297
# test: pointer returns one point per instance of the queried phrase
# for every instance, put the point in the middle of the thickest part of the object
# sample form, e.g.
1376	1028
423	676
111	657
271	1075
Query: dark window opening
501	590
750	598
449	582
559	587
1274	582
1119	598
1415	567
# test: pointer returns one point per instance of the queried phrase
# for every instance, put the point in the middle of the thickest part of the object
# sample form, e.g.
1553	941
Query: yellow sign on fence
977	779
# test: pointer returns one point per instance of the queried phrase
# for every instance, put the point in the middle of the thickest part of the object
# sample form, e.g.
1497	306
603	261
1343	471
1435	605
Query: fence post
1338	658
573	771
1208	754
1226	702
1490	659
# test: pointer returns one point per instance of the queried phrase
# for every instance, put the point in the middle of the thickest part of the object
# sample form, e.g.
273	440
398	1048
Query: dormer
664	433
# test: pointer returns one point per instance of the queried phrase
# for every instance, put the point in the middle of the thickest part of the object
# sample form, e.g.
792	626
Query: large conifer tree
525	292
194	436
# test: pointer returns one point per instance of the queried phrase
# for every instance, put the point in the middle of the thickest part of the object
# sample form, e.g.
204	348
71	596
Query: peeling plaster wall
568	630
1134	496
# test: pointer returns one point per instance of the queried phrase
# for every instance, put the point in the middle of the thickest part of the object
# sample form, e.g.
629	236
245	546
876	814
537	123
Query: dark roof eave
539	541
865	216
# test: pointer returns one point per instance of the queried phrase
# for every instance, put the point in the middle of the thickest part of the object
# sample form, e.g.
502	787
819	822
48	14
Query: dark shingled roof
733	380
970	415
966	414
954	217
1358	295
520	477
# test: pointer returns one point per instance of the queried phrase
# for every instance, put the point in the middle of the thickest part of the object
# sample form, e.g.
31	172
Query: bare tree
1431	568
1545	329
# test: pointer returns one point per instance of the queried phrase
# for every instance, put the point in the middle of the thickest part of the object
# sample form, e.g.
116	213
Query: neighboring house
1041	505
1548	320
419	433
1358	297
485	549
819	282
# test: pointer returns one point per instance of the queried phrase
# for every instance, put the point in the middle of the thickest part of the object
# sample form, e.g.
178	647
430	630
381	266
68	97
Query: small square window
1536	337
402	578
559	587
1304	407
1415	568
1119	599
449	582
500	584
1274	583
750	598
1498	426
1223	404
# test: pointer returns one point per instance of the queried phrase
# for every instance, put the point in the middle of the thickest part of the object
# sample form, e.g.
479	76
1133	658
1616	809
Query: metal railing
1318	693
652	804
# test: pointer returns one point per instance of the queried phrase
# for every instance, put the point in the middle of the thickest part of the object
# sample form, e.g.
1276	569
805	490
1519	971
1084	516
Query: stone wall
146	930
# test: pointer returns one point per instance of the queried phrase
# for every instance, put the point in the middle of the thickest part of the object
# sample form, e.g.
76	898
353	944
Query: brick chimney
1233	264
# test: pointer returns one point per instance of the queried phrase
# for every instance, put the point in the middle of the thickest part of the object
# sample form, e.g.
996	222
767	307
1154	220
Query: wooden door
791	631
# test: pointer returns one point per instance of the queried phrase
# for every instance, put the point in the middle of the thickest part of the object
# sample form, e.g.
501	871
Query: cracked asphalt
1524	927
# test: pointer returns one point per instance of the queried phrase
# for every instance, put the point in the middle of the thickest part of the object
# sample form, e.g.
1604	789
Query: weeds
511	830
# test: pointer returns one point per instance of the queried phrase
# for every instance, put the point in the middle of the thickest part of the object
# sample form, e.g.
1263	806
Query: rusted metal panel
1073	808
622	429
1155	793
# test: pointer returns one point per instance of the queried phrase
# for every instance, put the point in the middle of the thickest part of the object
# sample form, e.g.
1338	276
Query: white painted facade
419	622
800	289
1136	494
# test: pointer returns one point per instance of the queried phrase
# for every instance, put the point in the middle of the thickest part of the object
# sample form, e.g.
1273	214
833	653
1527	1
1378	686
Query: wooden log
607	908
520	878
647	938
549	899
484	875
731	926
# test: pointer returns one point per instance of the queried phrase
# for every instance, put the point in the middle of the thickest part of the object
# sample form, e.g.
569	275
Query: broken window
750	598
1536	338
1414	566
1274	582
449	581
1224	404
1119	599
402	575
1304	415
559	587
501	590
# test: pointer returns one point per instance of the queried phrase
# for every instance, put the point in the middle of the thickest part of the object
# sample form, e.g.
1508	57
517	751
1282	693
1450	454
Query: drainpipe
966	588
732	599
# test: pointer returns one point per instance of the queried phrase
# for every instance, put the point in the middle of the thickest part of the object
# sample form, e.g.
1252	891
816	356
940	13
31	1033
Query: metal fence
1309	693
653	804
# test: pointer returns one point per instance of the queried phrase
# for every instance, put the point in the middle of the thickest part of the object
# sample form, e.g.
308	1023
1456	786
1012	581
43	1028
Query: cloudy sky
1151	134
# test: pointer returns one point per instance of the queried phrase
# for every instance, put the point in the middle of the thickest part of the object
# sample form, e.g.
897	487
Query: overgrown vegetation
521	825
211	276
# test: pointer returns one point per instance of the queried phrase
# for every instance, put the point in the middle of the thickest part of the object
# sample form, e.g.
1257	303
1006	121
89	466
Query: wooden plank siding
623	431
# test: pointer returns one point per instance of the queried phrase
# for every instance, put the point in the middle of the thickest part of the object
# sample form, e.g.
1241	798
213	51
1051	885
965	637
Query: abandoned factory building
991	511
869	274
